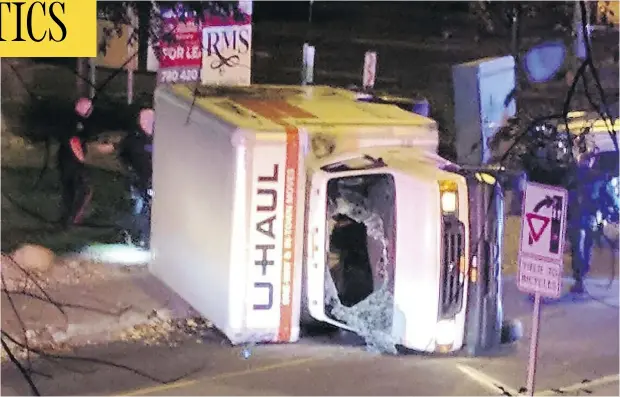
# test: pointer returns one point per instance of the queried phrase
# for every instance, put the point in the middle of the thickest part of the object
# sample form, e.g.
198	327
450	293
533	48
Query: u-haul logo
267	233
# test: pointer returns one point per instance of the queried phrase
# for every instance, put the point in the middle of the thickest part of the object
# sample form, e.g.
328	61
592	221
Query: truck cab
328	209
414	215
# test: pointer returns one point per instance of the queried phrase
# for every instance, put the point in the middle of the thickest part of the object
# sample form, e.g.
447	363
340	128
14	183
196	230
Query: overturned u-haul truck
279	206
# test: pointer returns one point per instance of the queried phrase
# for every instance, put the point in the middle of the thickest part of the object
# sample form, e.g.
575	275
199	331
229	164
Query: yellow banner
48	28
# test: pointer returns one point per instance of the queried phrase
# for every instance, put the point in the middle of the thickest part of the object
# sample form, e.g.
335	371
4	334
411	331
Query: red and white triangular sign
536	231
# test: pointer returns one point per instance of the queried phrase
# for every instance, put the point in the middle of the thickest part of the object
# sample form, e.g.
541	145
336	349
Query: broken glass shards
371	318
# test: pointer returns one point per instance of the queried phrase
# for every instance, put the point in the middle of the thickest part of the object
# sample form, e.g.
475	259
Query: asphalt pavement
578	354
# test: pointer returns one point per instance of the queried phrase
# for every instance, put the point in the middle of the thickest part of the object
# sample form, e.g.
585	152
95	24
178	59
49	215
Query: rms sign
227	55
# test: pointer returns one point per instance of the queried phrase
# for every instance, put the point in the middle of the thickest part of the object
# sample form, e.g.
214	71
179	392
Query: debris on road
167	331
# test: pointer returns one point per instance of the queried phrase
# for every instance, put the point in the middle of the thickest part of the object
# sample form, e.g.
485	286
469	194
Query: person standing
76	191
591	198
135	152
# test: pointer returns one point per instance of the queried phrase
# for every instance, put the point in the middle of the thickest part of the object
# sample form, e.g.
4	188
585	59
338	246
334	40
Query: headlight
449	197
448	202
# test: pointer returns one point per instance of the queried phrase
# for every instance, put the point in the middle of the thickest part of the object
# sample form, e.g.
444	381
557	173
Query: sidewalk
90	310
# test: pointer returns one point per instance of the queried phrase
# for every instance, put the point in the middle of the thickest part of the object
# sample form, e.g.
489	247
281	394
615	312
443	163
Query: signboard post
132	66
307	67
92	70
180	59
541	254
370	70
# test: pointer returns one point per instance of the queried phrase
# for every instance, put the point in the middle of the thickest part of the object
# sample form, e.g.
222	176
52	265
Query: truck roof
273	107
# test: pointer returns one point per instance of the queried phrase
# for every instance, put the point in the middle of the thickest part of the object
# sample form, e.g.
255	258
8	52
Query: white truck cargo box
230	193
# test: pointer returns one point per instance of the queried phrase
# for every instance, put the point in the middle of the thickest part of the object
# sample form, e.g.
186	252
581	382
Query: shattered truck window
360	273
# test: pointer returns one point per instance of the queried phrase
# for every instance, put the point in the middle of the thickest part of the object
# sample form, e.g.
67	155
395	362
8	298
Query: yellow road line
604	381
225	375
486	381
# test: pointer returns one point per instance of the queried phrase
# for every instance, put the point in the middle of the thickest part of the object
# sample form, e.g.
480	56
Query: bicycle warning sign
541	250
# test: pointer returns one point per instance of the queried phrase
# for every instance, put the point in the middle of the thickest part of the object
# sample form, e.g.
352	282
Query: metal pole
531	368
80	76
516	20
514	45
307	67
93	76
131	66
579	49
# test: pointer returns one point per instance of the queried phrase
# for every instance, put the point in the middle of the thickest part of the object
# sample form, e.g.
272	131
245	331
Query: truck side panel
193	170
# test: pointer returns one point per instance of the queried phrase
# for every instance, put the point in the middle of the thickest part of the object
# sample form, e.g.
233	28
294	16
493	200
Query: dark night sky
330	10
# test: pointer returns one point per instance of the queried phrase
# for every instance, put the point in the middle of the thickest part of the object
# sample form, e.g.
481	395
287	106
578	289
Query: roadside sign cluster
207	48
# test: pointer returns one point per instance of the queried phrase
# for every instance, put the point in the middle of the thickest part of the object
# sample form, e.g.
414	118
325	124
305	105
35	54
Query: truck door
320	284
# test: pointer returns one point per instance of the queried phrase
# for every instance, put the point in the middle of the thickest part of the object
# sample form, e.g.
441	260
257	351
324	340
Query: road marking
491	384
605	380
226	375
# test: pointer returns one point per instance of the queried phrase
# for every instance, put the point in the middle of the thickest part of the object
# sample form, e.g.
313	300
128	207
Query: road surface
578	351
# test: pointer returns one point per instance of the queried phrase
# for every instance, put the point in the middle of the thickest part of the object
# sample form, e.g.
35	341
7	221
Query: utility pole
578	53
579	45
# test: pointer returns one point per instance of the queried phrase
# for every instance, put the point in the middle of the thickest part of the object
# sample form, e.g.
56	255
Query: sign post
92	69
132	66
307	67
541	254
370	70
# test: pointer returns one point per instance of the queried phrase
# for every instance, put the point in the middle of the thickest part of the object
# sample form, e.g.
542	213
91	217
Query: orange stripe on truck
277	111
290	222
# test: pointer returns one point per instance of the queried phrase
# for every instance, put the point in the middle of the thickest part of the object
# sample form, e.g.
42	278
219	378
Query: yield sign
536	232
